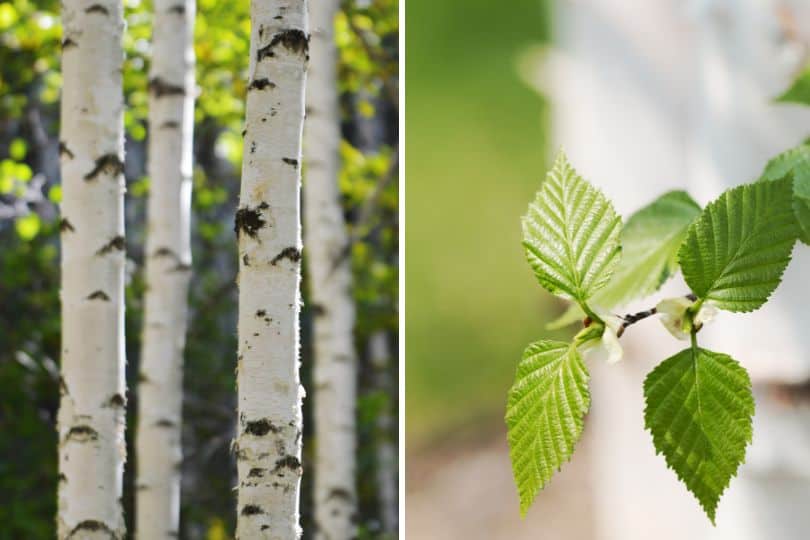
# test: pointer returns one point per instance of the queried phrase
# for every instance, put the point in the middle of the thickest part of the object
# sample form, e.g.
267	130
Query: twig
633	318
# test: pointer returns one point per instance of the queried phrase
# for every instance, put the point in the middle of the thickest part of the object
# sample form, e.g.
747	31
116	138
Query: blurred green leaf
27	226
17	149
799	91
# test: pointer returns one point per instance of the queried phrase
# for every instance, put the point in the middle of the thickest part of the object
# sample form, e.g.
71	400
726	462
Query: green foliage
795	163
571	234
650	240
735	253
367	40
27	226
545	414
571	238
699	411
699	405
799	91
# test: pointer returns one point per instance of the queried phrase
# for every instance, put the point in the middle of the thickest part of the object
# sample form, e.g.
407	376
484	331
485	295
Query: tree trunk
330	275
268	444
92	407
387	470
168	265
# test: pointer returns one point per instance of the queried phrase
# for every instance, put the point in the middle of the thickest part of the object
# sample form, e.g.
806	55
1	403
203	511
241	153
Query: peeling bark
268	444
330	278
91	423
171	104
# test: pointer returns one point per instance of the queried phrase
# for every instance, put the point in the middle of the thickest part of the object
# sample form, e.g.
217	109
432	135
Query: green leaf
795	162
571	234
799	91
699	411
544	414
736	251
17	149
27	226
650	240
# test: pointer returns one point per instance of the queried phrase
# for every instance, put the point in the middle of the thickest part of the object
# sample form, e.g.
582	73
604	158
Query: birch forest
199	269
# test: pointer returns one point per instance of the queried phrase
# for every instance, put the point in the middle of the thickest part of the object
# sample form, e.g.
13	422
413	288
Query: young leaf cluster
732	254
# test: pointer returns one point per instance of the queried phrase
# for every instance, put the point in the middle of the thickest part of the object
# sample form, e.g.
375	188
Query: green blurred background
476	144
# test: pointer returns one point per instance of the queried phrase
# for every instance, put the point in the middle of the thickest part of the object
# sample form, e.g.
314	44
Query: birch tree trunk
335	371
387	490
92	407
168	265
268	444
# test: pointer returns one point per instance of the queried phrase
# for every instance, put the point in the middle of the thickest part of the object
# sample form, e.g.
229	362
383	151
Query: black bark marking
99	295
61	478
65	225
244	132
63	149
264	527
339	493
294	40
250	220
68	43
260	428
253	147
256	473
161	88
82	434
292	253
251	510
170	124
116	400
109	163
91	525
290	161
261	313
180	9
164	252
261	84
245	260
97	8
289	462
165	423
117	243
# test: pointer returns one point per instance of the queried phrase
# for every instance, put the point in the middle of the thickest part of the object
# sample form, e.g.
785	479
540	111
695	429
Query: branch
633	318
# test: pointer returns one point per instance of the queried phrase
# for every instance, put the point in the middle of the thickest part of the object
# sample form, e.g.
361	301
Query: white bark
330	277
92	408
387	470
268	444
168	265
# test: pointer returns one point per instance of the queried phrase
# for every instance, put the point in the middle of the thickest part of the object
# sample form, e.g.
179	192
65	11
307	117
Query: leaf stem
590	313
633	318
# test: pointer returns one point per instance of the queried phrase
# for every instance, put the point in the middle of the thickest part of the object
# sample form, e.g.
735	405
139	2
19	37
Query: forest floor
463	489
